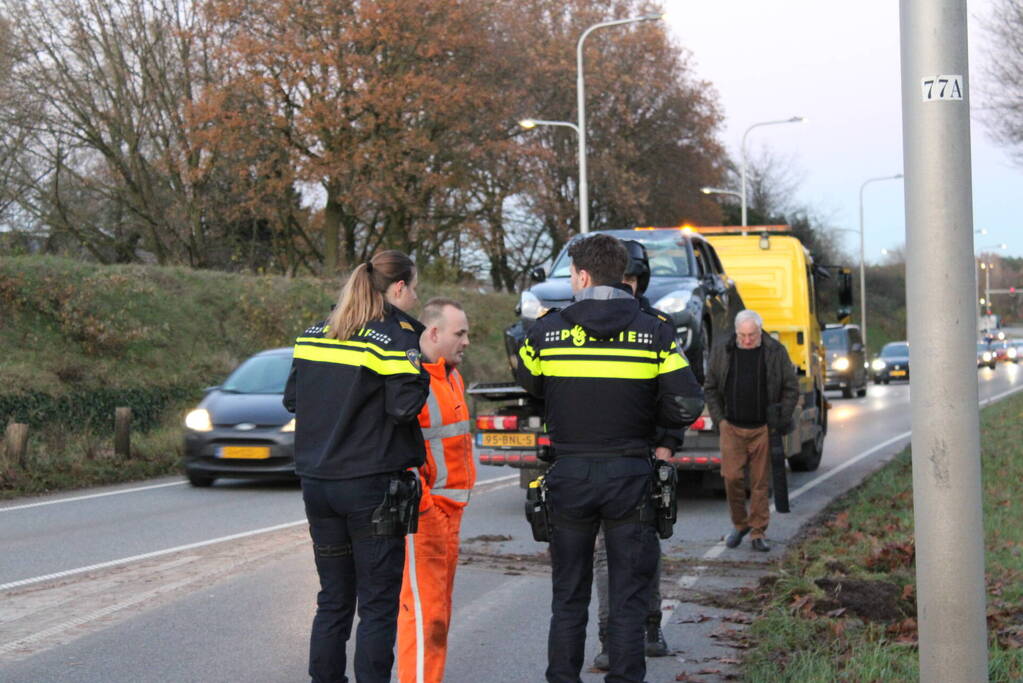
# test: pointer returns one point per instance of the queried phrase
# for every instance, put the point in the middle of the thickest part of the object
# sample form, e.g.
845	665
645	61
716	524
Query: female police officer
356	388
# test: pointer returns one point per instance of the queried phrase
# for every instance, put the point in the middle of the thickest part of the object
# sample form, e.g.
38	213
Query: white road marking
483	488
146	556
91	495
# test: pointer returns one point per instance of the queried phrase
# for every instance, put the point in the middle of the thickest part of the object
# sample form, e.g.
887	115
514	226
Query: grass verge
79	339
841	605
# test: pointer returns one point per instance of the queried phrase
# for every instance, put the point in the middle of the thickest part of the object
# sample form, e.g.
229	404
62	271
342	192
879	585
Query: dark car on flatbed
687	283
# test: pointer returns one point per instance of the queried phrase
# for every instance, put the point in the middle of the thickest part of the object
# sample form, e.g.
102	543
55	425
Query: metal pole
863	281
580	92
947	498
987	286
742	155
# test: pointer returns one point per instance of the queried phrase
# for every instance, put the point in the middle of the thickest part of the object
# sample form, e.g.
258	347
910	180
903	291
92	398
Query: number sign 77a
943	87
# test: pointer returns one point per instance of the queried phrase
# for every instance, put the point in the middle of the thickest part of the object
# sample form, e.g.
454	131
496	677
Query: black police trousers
354	566
585	492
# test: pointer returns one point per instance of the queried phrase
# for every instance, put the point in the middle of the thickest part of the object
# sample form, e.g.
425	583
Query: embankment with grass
841	605
80	339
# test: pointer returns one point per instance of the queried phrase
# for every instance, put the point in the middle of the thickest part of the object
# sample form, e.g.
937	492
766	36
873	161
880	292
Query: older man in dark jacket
750	388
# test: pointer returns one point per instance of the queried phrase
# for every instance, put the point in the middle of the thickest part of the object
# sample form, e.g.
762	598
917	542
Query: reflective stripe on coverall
432	553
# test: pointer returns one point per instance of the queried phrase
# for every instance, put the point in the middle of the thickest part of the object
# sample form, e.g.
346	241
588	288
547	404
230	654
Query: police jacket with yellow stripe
609	374
356	402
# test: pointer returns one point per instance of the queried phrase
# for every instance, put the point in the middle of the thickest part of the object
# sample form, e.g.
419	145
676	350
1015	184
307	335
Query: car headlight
841	364
530	306
674	302
878	365
290	427
199	420
986	356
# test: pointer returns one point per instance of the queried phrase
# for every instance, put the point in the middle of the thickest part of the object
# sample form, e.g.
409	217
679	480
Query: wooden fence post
16	444
122	432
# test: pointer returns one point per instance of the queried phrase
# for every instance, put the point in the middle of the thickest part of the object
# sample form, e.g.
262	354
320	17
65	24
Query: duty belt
620	453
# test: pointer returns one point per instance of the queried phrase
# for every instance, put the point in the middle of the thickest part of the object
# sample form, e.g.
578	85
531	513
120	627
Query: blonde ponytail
362	298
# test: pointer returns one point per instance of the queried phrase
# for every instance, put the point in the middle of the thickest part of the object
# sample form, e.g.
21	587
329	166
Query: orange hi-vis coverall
431	555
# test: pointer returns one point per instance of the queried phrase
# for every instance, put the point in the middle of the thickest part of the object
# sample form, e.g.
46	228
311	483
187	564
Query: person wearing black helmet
637	274
667	441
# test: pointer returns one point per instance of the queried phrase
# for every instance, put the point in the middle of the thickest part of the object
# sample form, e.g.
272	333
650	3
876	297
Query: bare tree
114	83
1002	84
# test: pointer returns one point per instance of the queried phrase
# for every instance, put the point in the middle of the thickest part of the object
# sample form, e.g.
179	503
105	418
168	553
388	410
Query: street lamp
718	190
742	149
863	281
986	267
530	124
584	193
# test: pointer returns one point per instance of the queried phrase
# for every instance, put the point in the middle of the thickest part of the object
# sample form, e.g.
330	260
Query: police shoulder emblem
413	357
406	326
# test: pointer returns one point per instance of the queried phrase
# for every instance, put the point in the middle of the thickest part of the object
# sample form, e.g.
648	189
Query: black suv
846	367
687	283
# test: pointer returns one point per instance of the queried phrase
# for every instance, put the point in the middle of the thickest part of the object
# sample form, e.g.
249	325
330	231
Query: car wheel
862	391
847	392
200	480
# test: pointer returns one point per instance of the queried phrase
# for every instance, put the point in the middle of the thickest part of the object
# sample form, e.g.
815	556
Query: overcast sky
837	63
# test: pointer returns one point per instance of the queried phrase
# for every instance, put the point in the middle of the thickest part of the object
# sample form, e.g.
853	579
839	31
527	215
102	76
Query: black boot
655	645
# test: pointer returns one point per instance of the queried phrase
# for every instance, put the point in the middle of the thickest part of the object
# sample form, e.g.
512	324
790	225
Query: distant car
845	368
1004	352
892	363
984	356
241	429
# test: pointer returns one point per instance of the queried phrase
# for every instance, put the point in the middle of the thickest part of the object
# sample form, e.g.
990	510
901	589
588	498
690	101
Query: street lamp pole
742	150
580	89
863	281
986	266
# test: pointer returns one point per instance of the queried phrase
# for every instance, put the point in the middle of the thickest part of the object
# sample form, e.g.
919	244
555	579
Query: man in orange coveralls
449	473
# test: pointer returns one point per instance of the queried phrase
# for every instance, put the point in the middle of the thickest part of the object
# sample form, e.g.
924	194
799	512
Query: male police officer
609	375
666	442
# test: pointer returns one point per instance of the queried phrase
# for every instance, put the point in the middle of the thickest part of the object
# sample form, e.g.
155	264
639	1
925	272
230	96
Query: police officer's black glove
679	411
777	420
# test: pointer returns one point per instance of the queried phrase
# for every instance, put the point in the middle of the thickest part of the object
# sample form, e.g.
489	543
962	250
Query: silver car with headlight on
240	429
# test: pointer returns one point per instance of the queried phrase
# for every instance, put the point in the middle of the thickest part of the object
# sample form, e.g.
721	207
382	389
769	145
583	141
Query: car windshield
259	375
834	339
669	257
981	346
895	351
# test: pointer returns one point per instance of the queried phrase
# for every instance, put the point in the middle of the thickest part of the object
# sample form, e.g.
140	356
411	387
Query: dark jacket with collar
357	401
782	383
609	374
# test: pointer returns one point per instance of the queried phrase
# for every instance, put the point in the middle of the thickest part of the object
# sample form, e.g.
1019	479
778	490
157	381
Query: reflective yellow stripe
609	369
342	344
364	359
573	351
673	362
529	361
